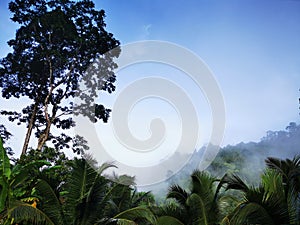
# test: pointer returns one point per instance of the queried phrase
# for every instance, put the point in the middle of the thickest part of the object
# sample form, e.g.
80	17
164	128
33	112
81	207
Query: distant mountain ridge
245	158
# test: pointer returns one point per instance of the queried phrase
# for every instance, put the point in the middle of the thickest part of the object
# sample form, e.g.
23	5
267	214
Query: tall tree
59	44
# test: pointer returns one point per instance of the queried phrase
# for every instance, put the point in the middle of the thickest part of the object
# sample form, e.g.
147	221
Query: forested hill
247	159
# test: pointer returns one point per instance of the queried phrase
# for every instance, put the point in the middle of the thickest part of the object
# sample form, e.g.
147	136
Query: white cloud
146	30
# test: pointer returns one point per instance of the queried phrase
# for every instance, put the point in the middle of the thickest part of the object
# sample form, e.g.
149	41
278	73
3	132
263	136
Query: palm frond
105	166
296	160
173	210
4	161
272	183
279	165
86	196
138	197
203	186
20	172
222	181
20	212
50	202
293	205
273	163
233	182
197	209
202	182
247	213
79	182
4	176
163	220
121	194
137	213
95	203
125	222
4	191
264	207
178	193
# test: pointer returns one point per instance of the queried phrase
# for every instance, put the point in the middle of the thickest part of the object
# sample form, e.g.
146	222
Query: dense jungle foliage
48	188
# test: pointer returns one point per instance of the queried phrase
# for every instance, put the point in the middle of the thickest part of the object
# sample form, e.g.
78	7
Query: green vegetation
52	189
55	45
247	160
57	41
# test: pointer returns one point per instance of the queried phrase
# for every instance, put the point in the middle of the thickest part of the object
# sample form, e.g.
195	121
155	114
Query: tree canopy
57	44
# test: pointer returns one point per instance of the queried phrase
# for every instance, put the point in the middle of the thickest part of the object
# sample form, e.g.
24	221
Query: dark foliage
59	44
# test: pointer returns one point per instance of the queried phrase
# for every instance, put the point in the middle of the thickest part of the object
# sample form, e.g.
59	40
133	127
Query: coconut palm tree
289	172
265	204
195	207
125	196
87	199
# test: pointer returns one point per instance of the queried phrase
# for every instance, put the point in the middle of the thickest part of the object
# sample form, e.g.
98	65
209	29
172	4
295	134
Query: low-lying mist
244	159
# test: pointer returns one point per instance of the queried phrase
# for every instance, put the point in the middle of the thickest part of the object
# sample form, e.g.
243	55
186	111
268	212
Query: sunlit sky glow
252	47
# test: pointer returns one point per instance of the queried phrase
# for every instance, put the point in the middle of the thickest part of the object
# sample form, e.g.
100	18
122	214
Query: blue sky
252	47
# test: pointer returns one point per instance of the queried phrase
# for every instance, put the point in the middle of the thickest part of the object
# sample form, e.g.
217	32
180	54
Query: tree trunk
29	129
44	137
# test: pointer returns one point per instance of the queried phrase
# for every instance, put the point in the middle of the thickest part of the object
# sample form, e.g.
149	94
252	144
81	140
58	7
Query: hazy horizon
251	47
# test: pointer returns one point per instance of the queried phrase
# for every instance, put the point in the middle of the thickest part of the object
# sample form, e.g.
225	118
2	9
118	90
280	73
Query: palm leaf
278	165
4	160
289	171
197	210
272	183
138	199
261	207
119	191
20	211
125	222
86	191
202	182
172	210
50	202
251	213
3	193
163	220
293	206
233	182
20	172
4	176
94	202
105	166
78	184
141	213
178	193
